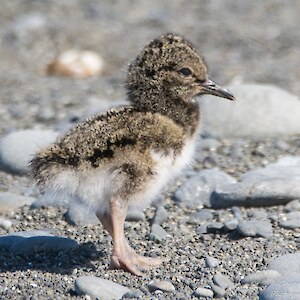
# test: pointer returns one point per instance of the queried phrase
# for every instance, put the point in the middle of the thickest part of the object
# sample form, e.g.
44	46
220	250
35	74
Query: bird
124	157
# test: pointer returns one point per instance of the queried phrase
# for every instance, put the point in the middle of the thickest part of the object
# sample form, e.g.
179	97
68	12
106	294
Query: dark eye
185	71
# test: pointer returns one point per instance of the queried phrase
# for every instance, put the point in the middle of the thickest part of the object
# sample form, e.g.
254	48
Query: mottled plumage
125	156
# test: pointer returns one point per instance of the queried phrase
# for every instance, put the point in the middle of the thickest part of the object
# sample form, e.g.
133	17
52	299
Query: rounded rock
163	285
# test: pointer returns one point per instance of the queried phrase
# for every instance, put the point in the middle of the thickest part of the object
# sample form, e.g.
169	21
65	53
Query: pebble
219	292
203	292
135	215
133	294
200	216
214	226
287	264
100	288
76	64
253	114
5	223
211	262
160	216
255	227
265	277
157	234
10	202
18	148
231	224
287	288
237	212
162	285
290	220
79	214
293	206
276	184
202	229
36	244
197	189
223	281
258	214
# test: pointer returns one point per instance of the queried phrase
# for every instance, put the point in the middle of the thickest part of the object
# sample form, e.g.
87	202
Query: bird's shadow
58	262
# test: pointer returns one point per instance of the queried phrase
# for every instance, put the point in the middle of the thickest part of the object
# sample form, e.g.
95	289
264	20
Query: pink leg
123	256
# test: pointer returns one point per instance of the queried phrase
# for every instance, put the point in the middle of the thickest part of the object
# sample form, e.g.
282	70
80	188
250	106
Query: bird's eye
185	71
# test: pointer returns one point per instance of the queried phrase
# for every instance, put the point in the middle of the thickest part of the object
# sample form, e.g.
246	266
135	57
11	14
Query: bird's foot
132	262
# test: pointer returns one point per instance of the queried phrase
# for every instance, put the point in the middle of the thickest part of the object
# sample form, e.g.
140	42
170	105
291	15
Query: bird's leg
123	256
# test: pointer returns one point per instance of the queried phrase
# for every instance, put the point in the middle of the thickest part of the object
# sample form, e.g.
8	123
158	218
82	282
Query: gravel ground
242	41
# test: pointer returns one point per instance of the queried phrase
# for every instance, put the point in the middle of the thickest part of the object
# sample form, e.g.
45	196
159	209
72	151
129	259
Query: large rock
259	111
18	148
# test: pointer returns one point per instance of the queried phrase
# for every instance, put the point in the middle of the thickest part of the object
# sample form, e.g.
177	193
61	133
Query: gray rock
10	202
133	295
291	220
200	216
18	148
288	288
5	223
265	277
160	216
253	113
223	281
293	206
211	262
208	144
202	229
203	292
231	224
237	213
100	288
135	215
36	244
258	214
255	228
79	214
197	189
219	292
214	226
287	264
161	285
157	234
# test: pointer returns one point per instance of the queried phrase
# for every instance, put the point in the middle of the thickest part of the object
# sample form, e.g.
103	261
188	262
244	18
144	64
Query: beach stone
258	214
100	288
208	144
202	229
160	216
211	262
236	211
219	292
214	226
200	216
5	223
253	113
231	224
223	281
286	265
197	189
293	206
255	228
265	277
36	244
133	295
162	285
135	215
203	292
287	288
78	214
18	148
10	202
291	220
157	234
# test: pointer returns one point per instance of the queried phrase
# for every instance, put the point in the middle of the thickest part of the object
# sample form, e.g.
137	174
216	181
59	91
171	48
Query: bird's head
169	67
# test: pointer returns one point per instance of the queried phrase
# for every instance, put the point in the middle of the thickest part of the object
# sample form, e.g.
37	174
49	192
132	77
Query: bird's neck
185	113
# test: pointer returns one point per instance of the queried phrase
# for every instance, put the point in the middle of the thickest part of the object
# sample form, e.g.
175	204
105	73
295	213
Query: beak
212	88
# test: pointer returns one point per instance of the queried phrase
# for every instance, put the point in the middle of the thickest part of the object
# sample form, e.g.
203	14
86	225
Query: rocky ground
216	243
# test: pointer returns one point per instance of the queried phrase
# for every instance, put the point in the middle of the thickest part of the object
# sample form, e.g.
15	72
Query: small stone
18	148
231	224
160	216
290	224
258	214
202	229
287	264
10	202
36	244
214	227
293	206
223	281
255	228
265	277
135	215
203	292
219	292
200	216
211	262
76	64
157	234
236	211
163	285
100	288
288	288
5	224
133	295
